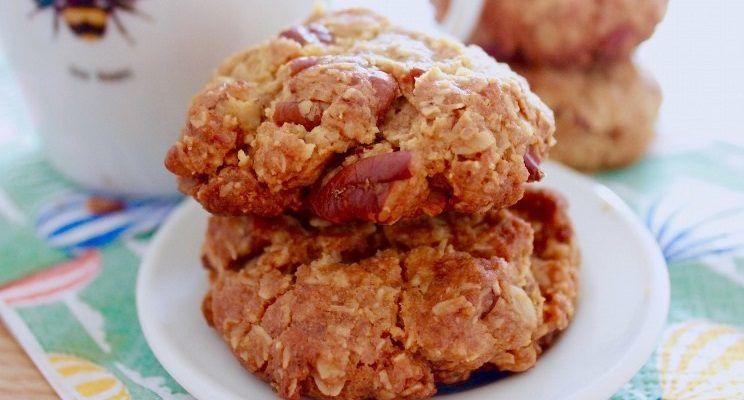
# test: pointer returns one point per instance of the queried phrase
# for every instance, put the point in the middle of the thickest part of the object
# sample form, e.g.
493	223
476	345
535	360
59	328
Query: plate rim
629	365
605	386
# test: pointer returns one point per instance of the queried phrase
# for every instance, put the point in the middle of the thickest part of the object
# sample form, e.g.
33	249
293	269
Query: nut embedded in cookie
318	117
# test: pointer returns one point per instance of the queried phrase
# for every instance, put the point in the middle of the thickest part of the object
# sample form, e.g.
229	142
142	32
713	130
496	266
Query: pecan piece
359	191
312	33
300	64
386	90
409	79
532	162
617	42
289	111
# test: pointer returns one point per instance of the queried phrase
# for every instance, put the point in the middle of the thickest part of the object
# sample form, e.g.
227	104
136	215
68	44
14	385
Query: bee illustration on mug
89	19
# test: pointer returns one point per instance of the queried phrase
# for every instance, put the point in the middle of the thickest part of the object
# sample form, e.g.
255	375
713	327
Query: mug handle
462	17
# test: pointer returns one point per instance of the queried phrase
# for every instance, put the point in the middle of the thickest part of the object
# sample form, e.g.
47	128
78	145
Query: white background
697	54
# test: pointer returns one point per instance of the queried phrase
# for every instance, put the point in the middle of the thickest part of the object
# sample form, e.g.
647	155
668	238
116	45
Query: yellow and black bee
88	19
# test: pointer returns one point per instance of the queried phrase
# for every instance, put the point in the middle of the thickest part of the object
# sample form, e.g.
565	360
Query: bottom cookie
605	116
370	312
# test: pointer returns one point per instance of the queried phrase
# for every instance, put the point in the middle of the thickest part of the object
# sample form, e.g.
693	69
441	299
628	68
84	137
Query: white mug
462	18
108	82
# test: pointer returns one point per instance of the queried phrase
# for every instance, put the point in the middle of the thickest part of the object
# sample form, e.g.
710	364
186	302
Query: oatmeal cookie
343	312
565	32
605	116
363	311
350	118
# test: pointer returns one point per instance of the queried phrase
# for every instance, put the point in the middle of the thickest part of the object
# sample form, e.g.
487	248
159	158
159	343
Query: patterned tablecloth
68	262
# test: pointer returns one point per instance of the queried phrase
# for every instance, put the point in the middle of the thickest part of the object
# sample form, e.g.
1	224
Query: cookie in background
604	116
560	33
577	56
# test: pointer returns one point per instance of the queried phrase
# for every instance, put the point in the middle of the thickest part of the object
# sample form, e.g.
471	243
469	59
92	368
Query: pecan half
359	191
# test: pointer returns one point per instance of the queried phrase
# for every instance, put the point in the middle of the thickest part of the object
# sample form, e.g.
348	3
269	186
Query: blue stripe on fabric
103	239
73	225
54	210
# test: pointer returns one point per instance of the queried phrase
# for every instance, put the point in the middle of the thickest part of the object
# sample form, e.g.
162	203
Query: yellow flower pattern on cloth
87	380
701	360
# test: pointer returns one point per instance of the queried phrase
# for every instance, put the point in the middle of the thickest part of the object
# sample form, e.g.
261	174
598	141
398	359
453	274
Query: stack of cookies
576	54
373	233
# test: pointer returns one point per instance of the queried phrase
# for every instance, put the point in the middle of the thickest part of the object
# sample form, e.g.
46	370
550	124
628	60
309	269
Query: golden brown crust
565	32
605	116
280	121
364	311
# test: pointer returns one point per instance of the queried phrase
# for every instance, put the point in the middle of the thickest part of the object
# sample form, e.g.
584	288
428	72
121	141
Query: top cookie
566	32
351	118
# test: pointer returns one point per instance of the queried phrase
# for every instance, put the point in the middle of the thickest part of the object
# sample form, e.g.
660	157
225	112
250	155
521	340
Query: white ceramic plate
622	308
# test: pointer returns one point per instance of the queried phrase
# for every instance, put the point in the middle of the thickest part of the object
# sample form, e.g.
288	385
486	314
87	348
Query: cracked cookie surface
351	118
367	311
